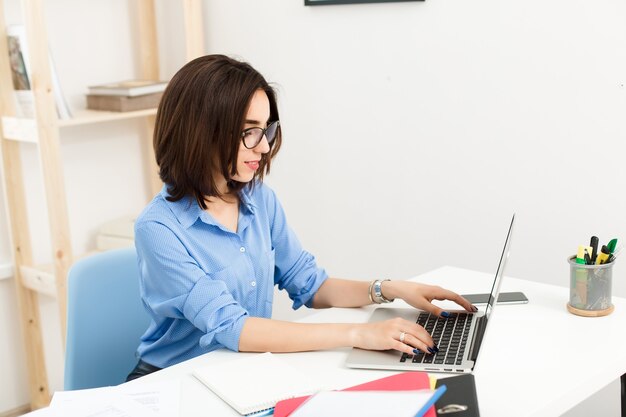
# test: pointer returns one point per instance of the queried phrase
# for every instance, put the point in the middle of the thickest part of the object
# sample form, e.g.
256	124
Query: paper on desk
78	397
162	397
157	399
100	402
365	404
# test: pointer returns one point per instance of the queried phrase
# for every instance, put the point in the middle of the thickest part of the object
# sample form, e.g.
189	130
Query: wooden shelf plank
25	130
85	117
19	129
40	278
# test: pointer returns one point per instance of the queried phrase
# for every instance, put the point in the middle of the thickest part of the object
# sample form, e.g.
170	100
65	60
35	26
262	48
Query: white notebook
256	382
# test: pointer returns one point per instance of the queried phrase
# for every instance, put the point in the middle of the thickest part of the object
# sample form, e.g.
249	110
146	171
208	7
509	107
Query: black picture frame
325	2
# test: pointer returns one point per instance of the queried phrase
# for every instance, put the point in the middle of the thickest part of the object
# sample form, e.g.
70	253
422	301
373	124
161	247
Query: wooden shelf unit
45	132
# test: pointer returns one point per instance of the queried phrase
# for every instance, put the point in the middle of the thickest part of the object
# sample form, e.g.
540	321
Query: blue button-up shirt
200	281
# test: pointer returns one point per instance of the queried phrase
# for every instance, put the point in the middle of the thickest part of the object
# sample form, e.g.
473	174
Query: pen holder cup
590	289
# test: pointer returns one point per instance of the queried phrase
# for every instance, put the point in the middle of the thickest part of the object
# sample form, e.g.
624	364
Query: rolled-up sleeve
173	285
296	270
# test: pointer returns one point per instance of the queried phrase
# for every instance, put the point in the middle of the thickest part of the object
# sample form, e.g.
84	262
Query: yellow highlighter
603	256
584	253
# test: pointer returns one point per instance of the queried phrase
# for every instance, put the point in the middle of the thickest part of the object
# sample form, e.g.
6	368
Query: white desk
530	362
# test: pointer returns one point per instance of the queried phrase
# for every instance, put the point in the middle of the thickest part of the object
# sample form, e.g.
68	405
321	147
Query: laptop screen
495	289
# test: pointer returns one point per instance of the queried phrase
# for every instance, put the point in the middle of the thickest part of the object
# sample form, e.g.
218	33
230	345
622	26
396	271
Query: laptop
458	337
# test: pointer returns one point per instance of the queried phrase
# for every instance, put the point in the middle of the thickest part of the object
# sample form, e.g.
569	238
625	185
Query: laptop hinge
479	332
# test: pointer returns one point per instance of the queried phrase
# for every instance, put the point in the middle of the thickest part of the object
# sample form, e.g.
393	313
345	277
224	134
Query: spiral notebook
256	383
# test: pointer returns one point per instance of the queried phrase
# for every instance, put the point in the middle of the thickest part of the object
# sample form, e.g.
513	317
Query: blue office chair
105	319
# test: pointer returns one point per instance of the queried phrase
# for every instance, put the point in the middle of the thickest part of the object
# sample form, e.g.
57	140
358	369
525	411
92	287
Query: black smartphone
504	298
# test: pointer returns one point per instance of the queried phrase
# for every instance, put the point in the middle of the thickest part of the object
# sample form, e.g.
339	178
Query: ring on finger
402	336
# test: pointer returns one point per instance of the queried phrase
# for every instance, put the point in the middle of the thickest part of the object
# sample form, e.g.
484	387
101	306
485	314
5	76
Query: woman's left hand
421	295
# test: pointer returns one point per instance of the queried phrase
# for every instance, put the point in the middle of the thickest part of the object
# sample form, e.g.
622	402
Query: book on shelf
129	88
20	73
123	103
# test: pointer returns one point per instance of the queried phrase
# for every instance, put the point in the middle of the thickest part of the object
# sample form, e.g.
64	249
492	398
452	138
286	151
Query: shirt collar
187	210
246	199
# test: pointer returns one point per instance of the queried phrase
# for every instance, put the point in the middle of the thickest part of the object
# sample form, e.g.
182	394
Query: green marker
611	245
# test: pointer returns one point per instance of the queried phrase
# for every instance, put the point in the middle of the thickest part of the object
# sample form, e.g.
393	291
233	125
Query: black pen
594	248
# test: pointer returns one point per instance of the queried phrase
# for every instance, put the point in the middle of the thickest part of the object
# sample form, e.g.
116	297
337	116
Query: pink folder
404	381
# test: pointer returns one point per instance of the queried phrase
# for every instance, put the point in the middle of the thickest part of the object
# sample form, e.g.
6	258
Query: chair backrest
105	319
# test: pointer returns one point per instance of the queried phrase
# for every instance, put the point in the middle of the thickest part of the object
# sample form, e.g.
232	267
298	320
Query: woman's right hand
388	334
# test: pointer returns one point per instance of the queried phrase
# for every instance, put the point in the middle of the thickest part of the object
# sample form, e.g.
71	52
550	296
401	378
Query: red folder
405	381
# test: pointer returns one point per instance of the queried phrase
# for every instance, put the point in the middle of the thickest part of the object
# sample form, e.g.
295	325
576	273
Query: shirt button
253	283
242	249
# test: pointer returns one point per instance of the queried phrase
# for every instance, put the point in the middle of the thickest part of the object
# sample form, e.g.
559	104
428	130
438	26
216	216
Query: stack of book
126	95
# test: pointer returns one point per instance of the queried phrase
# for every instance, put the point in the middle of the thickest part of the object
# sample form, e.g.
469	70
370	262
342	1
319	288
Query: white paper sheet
156	399
162	397
364	403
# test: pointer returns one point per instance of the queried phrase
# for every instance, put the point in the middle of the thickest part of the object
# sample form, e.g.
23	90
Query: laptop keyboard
449	334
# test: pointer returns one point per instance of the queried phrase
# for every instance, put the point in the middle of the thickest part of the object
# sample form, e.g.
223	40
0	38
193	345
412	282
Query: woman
215	241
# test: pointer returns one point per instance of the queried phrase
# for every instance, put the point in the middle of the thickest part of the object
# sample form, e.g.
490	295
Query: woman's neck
225	210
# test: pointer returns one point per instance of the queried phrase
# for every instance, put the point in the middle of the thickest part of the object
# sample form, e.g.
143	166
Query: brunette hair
199	122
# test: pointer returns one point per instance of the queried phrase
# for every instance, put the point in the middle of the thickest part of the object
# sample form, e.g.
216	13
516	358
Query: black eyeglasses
252	136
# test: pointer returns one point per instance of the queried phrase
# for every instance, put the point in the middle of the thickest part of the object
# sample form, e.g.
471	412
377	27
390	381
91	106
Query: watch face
378	293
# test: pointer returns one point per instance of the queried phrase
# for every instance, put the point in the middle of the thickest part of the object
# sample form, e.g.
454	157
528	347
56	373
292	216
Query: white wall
412	130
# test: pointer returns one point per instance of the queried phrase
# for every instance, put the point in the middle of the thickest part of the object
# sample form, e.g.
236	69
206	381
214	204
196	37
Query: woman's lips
253	165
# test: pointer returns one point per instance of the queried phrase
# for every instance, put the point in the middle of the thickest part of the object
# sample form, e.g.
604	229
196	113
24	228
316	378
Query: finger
418	333
422	345
410	327
434	310
463	302
411	349
415	337
452	296
403	347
